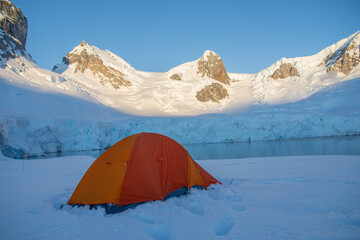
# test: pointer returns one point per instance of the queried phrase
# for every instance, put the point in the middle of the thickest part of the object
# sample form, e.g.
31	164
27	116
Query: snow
300	197
33	101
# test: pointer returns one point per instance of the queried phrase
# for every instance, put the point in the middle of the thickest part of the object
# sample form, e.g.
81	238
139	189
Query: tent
139	168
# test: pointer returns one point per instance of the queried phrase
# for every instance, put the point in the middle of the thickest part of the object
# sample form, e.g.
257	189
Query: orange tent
139	168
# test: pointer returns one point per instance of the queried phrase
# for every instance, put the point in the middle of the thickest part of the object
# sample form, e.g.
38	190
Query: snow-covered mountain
199	87
204	85
80	105
293	79
189	89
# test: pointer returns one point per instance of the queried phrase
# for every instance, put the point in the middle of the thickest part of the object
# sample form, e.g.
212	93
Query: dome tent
139	168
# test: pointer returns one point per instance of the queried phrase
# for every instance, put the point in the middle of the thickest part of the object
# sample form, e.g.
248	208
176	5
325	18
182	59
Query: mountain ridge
198	87
185	78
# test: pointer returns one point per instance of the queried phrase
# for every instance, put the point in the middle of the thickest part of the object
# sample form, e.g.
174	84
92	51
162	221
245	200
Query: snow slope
306	198
33	100
150	94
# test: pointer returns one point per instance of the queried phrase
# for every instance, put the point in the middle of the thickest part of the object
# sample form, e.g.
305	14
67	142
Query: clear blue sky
158	35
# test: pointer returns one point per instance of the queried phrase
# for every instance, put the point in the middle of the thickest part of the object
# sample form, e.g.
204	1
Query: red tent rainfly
139	168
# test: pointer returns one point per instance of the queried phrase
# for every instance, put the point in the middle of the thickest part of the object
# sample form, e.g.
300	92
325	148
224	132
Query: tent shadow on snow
140	168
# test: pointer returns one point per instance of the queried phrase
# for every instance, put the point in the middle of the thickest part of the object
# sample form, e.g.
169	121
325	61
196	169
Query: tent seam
128	163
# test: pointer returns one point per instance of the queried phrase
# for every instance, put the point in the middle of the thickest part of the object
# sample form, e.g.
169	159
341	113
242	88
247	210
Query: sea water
296	147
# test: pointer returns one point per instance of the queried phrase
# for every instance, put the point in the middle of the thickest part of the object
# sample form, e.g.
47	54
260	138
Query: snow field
307	197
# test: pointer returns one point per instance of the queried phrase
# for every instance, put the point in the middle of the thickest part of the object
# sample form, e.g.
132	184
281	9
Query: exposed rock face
214	92
212	66
13	22
93	62
13	31
10	47
284	71
176	76
345	58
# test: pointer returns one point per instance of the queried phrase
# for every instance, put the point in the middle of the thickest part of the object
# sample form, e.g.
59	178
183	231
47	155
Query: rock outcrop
9	47
13	22
214	92
85	60
212	66
345	58
13	31
177	76
284	71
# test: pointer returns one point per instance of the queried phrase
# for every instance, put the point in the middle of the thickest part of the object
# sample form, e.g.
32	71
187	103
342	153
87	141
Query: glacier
333	111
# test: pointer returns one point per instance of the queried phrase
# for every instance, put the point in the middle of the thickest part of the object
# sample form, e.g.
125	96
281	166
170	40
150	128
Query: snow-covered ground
301	197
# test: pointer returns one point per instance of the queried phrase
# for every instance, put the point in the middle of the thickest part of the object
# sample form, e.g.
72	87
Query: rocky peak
345	58
13	22
84	44
84	57
284	71
212	66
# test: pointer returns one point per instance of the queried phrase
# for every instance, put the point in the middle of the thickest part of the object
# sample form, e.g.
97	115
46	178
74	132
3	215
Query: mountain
209	65
197	87
294	79
204	85
105	66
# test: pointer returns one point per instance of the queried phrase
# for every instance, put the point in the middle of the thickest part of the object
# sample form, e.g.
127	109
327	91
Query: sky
159	35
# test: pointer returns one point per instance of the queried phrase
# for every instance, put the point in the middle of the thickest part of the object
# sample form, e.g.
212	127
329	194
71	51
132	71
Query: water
300	147
312	146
